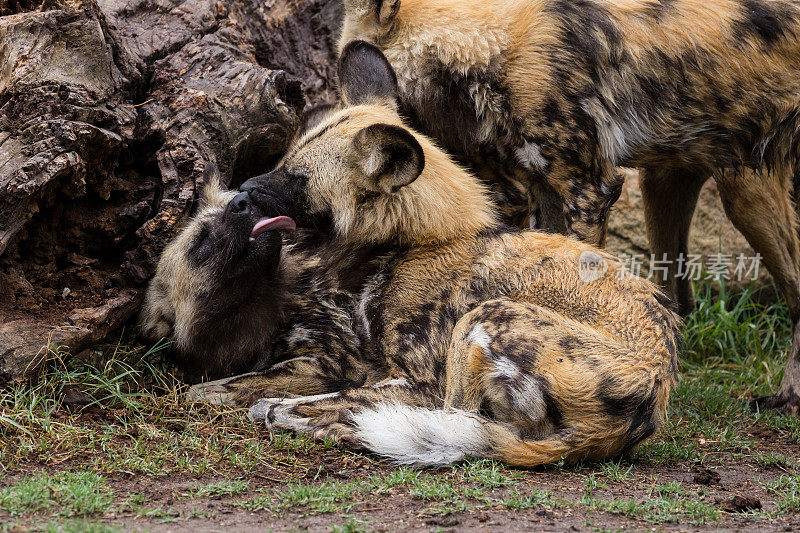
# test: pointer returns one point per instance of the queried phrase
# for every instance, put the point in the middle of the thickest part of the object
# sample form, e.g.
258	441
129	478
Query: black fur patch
658	8
588	29
643	423
552	409
614	405
317	135
768	21
446	110
201	249
569	343
639	408
314	117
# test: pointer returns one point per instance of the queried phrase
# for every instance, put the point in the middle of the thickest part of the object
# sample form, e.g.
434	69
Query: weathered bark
109	111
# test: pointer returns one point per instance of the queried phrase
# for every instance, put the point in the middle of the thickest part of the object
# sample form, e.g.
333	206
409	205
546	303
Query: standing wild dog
564	91
488	341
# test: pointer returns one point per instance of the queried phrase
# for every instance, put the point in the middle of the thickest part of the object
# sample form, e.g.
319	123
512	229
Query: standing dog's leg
761	208
670	196
586	196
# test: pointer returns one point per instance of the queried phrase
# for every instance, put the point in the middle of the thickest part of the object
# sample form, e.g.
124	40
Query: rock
712	233
109	112
73	397
705	476
25	344
741	504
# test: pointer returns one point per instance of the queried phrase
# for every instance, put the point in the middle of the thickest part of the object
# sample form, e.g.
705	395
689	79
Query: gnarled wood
109	111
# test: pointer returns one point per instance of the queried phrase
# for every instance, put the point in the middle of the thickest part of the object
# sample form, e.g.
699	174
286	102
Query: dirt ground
730	482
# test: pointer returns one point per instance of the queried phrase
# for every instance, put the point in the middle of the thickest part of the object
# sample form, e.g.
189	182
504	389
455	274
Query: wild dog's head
217	289
358	171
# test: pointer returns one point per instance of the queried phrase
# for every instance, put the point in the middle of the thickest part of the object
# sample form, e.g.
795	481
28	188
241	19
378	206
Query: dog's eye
202	246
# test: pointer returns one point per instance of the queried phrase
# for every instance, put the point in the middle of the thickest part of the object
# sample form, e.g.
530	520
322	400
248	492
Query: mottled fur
482	340
549	96
568	90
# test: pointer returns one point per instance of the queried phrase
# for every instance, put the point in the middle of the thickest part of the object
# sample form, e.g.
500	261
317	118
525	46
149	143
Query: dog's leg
586	196
336	415
670	197
301	376
548	378
760	206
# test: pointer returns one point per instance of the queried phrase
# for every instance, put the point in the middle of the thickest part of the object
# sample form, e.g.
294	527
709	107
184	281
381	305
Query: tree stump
109	112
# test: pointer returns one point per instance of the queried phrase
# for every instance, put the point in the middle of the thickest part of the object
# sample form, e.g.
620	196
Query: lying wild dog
232	304
480	340
564	91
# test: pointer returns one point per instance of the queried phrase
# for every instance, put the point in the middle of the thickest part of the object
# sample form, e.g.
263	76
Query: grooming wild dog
563	91
481	340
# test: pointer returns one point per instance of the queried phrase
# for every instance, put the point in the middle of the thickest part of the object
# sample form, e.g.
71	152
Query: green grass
660	509
222	488
66	493
530	499
616	471
770	459
351	526
669	502
452	488
139	424
787	493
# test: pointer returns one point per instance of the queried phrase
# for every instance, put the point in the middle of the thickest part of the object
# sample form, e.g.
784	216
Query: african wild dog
232	304
483	340
557	93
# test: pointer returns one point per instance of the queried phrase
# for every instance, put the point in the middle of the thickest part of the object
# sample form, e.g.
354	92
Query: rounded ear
365	75
211	193
390	157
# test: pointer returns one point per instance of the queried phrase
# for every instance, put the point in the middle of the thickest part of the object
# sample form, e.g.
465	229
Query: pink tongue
272	224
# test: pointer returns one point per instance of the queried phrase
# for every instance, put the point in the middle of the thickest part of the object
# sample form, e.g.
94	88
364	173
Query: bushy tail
437	437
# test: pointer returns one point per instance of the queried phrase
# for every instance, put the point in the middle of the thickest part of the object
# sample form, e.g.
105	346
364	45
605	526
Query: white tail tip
421	437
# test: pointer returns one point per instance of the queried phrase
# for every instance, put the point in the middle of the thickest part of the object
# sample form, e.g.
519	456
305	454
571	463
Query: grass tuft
67	494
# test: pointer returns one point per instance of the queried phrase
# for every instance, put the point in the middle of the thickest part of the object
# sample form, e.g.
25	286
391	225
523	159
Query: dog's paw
219	392
278	414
